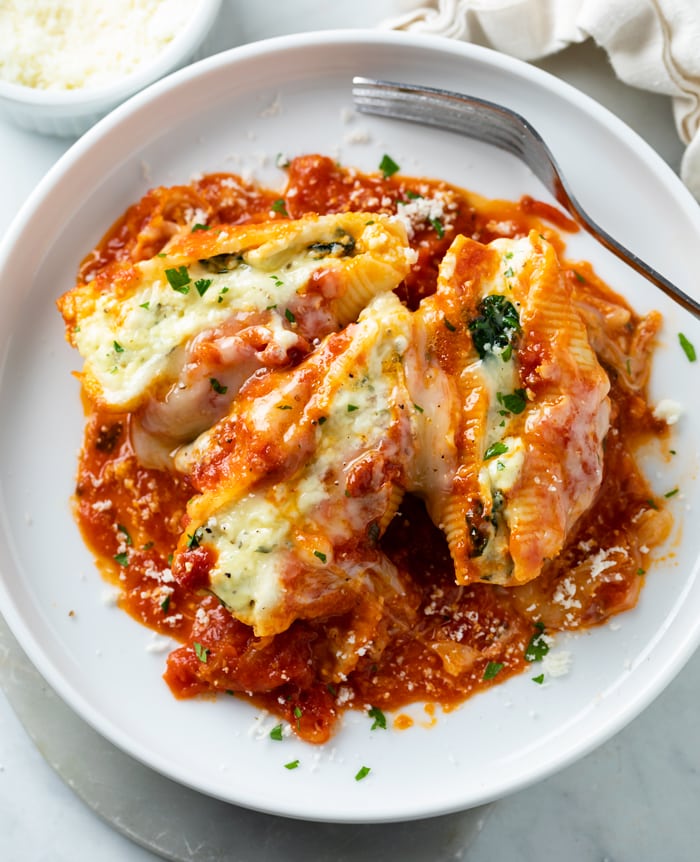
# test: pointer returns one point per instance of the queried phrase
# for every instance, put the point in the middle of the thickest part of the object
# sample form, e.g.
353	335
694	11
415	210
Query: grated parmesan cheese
668	411
82	44
557	663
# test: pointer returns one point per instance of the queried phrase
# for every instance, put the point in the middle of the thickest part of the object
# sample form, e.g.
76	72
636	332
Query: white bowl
69	113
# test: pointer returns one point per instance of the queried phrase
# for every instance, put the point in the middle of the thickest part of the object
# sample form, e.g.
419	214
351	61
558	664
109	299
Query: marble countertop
634	799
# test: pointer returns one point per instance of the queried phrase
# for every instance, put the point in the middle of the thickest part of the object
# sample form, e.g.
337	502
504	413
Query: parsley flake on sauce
165	604
388	166
290	316
322	557
437	227
276	732
279	206
117	347
127	538
201	652
293	764
493	668
362	772
538	647
379	719
688	347
178	279
539	679
196	227
122	559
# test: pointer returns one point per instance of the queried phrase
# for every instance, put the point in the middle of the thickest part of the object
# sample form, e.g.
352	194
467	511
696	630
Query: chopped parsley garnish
495	449
579	277
178	279
496	327
671	493
284	406
122	559
513	403
145	305
165	604
688	347
220	297
448	325
388	166
277	280
509	273
127	538
219	388
297	715
292	764
419	408
276	732
196	227
202	285
641	571
322	419
538	679
379	719
437	227
352	408
412	196
117	347
194	539
201	652
290	316
538	647
322	557
280	207
362	772
493	668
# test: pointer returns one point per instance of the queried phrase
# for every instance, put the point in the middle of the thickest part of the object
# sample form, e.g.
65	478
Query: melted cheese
132	328
283	537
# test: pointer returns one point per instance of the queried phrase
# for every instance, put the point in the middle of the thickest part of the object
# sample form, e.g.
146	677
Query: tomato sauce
461	639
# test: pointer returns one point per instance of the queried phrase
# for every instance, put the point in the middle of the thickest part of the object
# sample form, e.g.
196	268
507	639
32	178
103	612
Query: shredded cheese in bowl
72	45
65	63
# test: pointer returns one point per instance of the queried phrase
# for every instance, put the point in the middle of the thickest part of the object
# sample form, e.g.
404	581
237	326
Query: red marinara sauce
464	638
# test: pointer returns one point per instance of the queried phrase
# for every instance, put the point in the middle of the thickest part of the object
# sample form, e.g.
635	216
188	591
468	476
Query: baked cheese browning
533	408
174	337
300	481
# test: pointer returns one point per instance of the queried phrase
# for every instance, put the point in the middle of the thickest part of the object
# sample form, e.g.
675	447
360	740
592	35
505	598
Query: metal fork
497	125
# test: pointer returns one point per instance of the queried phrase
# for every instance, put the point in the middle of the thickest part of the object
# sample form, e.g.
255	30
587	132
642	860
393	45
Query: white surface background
633	799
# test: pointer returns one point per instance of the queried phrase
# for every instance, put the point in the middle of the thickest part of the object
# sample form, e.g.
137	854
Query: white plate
226	113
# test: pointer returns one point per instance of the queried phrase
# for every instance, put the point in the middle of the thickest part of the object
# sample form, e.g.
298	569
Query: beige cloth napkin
652	44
